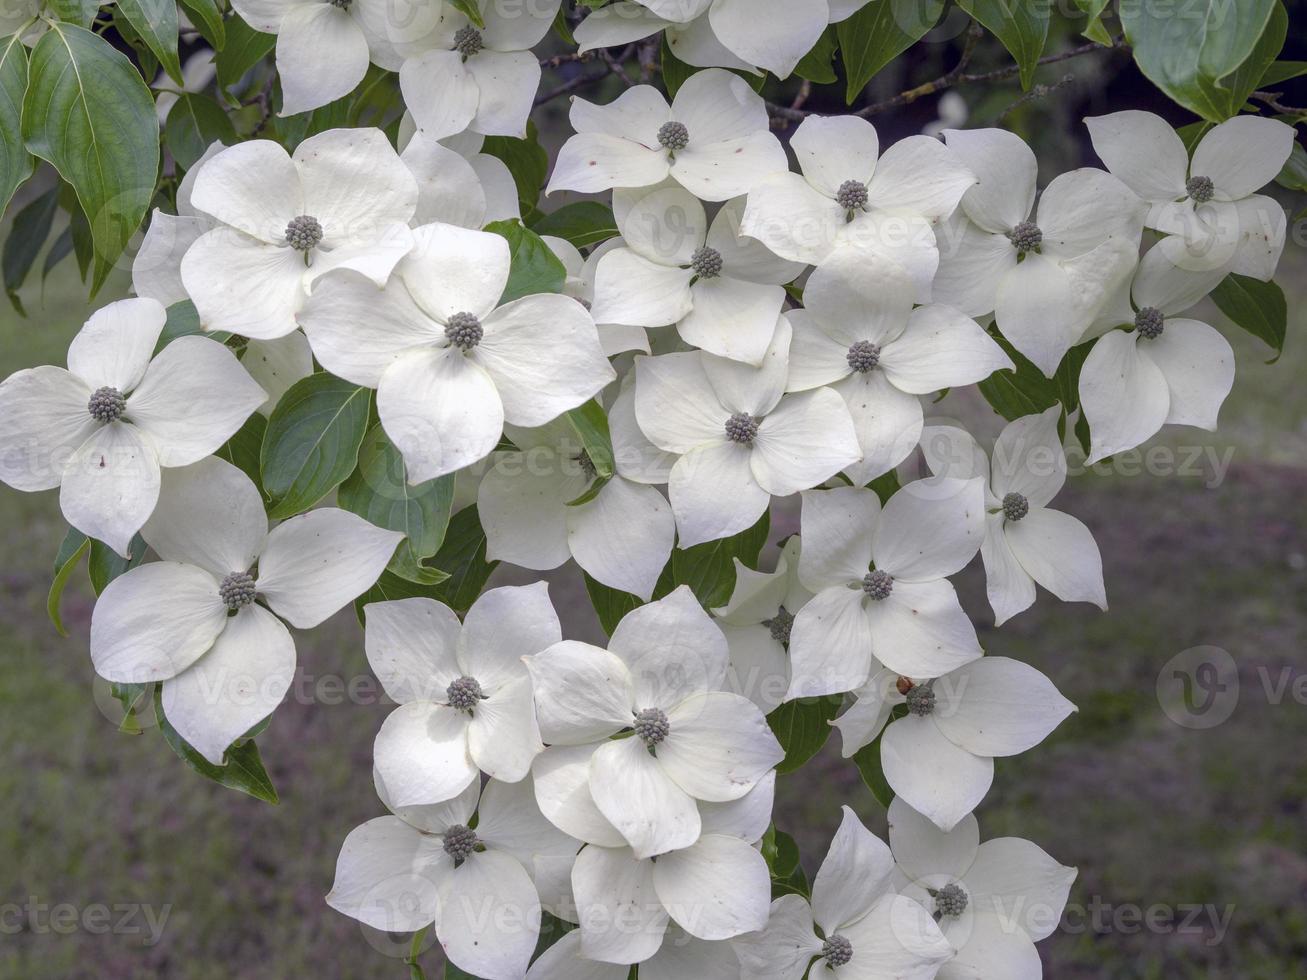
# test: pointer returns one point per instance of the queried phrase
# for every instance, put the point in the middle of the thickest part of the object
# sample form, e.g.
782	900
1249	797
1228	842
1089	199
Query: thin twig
1272	101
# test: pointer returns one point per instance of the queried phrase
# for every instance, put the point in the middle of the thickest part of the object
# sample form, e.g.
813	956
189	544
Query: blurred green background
1159	818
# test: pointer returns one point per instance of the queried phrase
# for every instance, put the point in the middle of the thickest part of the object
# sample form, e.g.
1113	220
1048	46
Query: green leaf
207	18
879	33
1228	96
591	426
1020	25
105	564
79	12
393	586
379	492
867	759
89	114
312	442
782	856
1067	376
709	568
535	268
802	727
584	223
1186	55
1258	307
243	450
526	161
156	22
15	162
413	569
193	123
244	49
242	769
610	604
1024	391
1294	174
470	9
463	556
184	321
74	545
83	246
1282	71
27	235
818	65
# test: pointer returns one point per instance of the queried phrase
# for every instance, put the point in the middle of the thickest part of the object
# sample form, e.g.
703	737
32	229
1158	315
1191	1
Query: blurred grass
1151	813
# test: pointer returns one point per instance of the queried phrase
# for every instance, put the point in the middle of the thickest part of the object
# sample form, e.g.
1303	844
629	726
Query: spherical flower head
237	590
459	842
1150	323
1015	506
651	726
878	585
863	356
673	136
1026	237
852	195
950	901
463	330
706	262
1200	189
303	233
920	699
107	404
742	428
464	693
780	625
468	41
837	950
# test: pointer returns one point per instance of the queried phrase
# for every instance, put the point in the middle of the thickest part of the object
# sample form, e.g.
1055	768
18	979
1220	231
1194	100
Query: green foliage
591	427
30	230
1021	26
105	564
535	268
15	161
1258	307
802	727
584	223
75	544
526	161
879	33
244	49
156	23
194	122
1024	391
242	768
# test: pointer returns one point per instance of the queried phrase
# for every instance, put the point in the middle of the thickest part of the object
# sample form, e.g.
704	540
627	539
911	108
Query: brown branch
1272	101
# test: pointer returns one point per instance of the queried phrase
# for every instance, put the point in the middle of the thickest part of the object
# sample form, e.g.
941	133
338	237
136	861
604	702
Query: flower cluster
752	332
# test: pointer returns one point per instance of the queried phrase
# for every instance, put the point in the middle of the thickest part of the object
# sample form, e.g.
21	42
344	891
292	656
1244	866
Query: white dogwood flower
715	140
939	757
851	193
722	291
1167	369
449	363
740	439
660	683
482	888
757	622
544	504
615	338
867	931
1207	208
881	585
101	430
464	694
343	199
859	334
773	35
1025	542
207	618
457	76
993	901
1044	273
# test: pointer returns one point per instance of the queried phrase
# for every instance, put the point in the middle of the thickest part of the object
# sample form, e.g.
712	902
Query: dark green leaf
584	223
193	123
242	768
470	9
880	32
709	568
802	727
526	161
74	545
27	235
1020	25
867	759
1258	307
184	321
886	485
1067	377
463	556
105	564
610	605
15	162
88	112
818	64
156	22
207	18
1024	391
1227	96
244	49
79	12
1282	71
591	426
312	442
1294	174
535	268
244	449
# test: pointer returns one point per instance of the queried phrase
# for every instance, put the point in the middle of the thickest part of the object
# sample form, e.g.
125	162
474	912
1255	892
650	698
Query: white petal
116	343
321	56
411	646
836	527
631	289
905	238
514	28
719	746
864	719
897	938
747	258
634	456
622	918
858	295
421	754
782	950
887	421
386	875
1123	394
561	776
994	949
792	218
1262	224
753	390
732	318
772	34
1008	585
544	356
594	162
193	398
921	630
760	665
683	956
488	922
921	849
919	175
583	694
997	706
714	493
830	645
666	225
941	348
253	187
1006	170
1242	155
727	168
635	115
1034	309
930	529
46	421
1019	882
111	484
857	870
716	889
1059	552
503	737
242	285
156	270
1198	365
316	563
972	262
154	621
672	649
746	818
503	626
637	796
440	410
808	439
624	537
617	24
209	514
834	149
510	821
1080	210
952	452
936	778
507	82
1142	150
456	270
1029	459
1163	285
449	190
522	501
453	109
234	686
